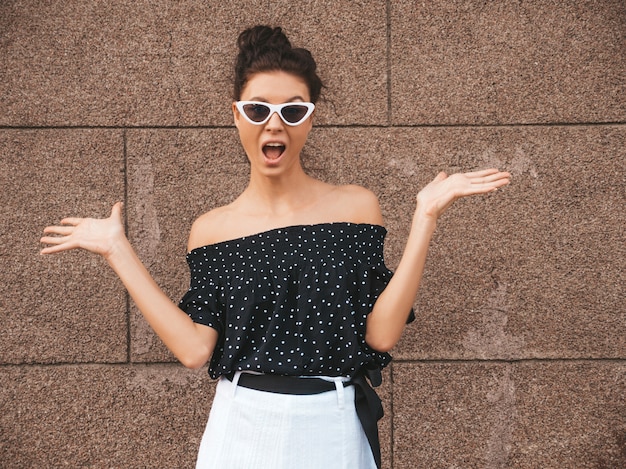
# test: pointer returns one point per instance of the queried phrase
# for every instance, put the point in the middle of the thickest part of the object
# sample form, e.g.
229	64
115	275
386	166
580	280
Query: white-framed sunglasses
259	113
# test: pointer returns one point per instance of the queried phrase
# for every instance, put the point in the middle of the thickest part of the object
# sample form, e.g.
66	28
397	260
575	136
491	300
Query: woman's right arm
191	343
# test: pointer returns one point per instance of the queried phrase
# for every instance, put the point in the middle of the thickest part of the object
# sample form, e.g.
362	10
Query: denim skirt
250	429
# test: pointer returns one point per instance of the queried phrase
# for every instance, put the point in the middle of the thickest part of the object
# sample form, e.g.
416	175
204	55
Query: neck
280	195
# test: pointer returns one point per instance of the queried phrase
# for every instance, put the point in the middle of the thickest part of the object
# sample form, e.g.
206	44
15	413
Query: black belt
368	405
285	384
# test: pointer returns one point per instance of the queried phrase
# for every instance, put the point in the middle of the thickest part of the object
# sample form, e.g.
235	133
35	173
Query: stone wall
517	356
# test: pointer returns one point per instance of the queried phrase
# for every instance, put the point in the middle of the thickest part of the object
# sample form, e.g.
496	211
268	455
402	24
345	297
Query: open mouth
272	151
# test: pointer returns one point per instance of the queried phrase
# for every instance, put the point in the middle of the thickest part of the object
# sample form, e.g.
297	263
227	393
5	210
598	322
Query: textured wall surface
517	358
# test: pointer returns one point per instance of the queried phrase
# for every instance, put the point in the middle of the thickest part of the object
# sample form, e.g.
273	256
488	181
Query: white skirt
250	429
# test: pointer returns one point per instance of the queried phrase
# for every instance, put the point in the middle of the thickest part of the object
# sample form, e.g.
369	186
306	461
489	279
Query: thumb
440	177
116	211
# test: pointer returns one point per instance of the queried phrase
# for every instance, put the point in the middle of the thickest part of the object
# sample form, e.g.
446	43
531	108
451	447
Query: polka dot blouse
290	301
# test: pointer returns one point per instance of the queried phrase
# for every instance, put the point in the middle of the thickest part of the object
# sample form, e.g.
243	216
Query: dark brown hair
267	49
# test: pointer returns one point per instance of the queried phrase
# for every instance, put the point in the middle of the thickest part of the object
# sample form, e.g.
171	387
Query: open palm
442	191
92	234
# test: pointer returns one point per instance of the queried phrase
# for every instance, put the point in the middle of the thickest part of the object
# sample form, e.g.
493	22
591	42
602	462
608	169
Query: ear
236	115
310	120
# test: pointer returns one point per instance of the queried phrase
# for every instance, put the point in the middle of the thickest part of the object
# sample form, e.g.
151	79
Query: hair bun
259	39
265	48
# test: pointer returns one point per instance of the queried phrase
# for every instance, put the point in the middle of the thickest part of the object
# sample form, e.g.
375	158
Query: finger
482	172
54	249
56	244
71	221
440	177
502	181
487	187
490	178
54	239
49	250
60	230
116	211
481	187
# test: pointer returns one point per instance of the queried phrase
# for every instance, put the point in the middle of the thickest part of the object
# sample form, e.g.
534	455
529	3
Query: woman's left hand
440	193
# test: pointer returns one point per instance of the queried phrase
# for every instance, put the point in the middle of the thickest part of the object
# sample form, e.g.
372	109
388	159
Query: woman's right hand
95	235
192	343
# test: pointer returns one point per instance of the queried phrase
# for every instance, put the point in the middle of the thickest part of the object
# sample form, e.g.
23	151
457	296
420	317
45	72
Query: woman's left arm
388	317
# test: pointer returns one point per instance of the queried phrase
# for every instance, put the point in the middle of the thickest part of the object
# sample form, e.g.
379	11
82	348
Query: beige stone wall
518	356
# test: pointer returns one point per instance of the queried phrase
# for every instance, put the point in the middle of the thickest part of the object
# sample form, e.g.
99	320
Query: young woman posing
290	299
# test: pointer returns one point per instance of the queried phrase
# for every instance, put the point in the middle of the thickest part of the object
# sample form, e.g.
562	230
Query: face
274	145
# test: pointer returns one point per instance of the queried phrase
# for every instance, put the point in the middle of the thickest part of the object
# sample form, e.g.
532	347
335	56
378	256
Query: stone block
530	414
145	63
126	62
67	307
174	176
130	416
570	414
508	62
385	425
535	270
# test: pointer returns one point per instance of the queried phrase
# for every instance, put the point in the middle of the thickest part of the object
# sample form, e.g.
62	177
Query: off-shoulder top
290	301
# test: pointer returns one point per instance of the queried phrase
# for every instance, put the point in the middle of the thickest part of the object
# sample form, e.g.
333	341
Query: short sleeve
381	276
201	302
372	245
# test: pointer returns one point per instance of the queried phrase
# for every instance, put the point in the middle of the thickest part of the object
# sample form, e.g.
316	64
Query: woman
289	297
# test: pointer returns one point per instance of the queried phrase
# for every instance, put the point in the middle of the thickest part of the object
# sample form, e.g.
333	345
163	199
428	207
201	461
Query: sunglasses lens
294	113
256	112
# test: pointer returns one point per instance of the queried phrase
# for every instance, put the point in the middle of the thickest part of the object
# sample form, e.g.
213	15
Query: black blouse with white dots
290	301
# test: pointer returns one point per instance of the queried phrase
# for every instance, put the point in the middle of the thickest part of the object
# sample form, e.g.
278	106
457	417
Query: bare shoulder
360	204
207	228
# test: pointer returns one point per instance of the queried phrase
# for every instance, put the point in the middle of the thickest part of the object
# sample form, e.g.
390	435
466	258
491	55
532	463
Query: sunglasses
259	113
